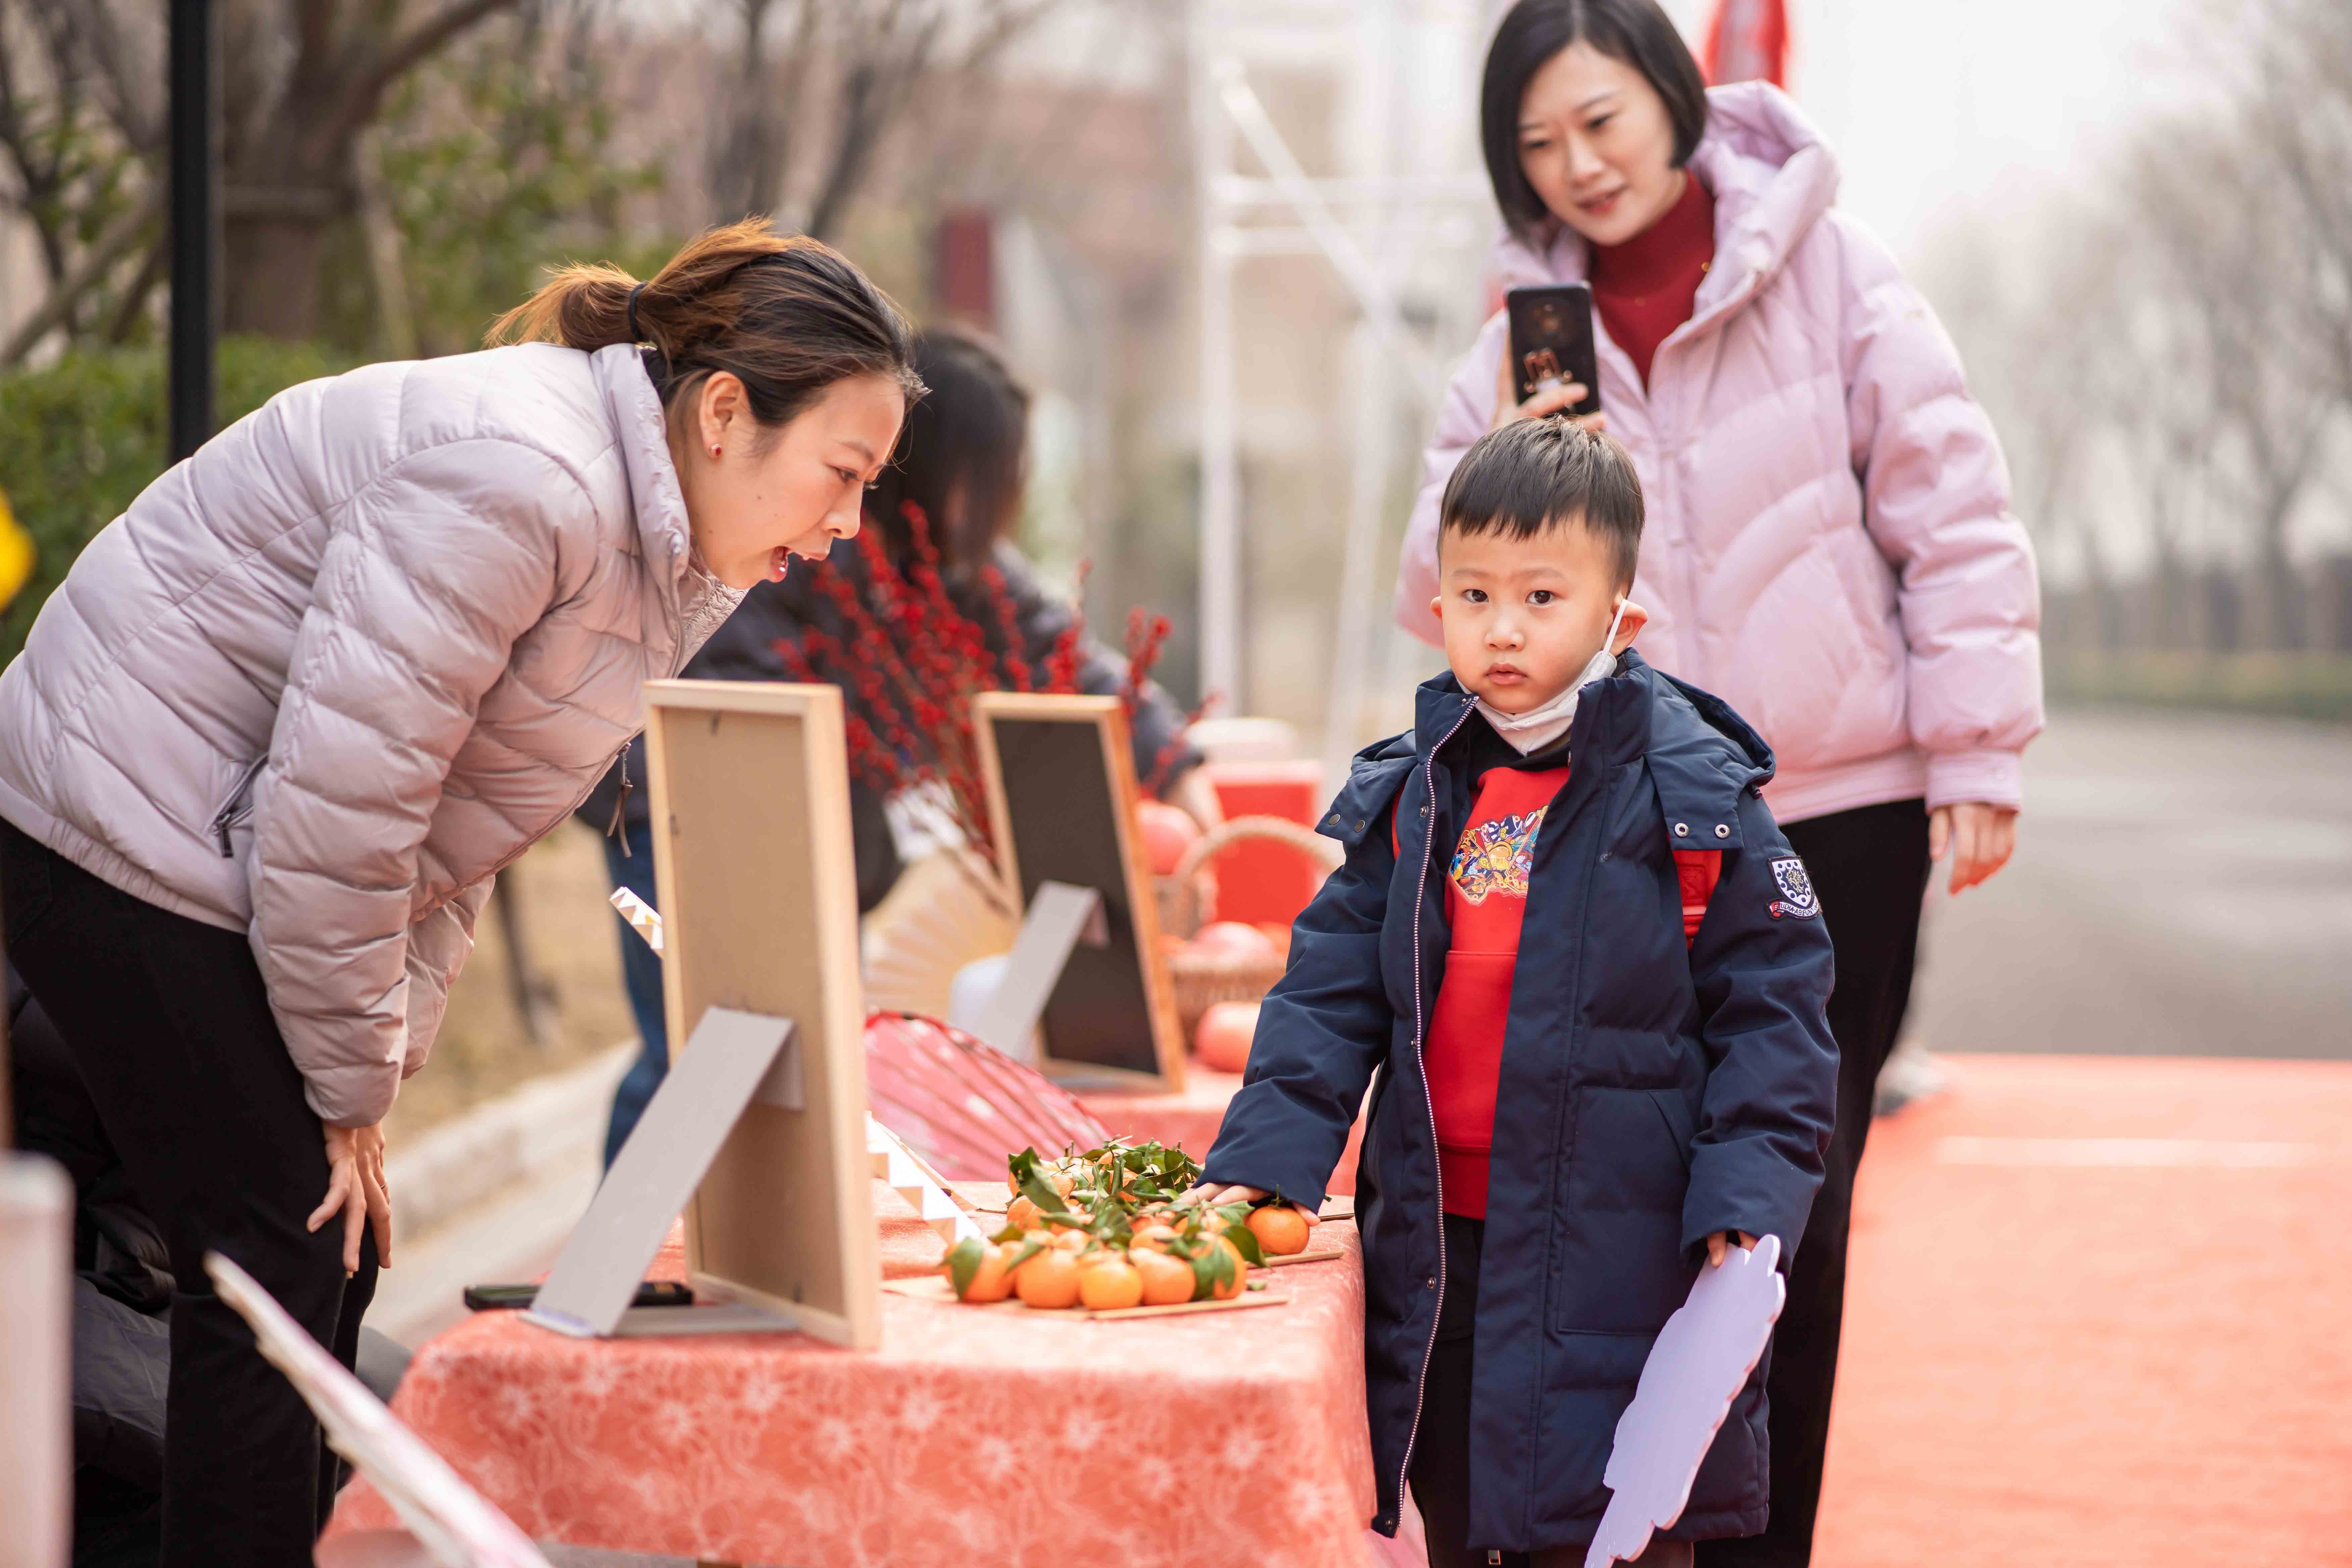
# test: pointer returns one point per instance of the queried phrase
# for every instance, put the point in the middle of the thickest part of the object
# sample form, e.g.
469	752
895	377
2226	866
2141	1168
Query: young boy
1584	976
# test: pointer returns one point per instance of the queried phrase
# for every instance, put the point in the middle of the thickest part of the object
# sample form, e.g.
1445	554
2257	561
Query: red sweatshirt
1645	287
1485	898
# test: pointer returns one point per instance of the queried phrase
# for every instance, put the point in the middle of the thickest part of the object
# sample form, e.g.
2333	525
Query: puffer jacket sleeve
1936	501
430	575
1762	971
1463	415
438	946
1324	1028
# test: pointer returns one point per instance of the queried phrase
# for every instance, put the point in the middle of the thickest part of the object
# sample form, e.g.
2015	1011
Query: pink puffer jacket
1828	544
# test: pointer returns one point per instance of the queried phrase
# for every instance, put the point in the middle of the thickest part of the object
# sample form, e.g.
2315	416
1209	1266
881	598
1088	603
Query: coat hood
1772	177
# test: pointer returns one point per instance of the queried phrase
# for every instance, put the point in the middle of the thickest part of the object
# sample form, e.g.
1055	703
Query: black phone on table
1551	340
515	1298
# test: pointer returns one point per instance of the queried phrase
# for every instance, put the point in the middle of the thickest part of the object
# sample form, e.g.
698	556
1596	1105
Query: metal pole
1221	564
195	223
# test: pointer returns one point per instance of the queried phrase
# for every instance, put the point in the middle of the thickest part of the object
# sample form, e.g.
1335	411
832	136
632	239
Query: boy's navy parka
1651	1094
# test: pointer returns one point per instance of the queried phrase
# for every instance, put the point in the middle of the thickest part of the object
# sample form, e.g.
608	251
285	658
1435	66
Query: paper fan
963	1105
939	918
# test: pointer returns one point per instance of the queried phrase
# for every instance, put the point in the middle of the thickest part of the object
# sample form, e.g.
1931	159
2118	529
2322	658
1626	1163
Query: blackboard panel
1064	800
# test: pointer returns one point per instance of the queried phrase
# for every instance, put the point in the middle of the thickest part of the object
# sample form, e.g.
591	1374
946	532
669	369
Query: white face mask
1532	732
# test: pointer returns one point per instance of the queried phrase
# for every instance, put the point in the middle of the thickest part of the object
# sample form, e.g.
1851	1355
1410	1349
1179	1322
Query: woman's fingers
1939	831
379	1212
355	1217
338	1179
1597	423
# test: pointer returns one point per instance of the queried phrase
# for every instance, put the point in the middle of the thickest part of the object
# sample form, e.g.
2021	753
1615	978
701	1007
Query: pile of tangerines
1104	1229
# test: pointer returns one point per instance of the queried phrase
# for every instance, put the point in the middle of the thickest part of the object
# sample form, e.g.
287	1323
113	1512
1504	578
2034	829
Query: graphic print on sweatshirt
1495	856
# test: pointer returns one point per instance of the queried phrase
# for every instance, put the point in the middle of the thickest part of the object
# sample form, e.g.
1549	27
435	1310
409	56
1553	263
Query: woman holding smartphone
1829	545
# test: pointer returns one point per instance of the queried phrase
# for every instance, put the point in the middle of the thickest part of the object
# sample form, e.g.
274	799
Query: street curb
504	1144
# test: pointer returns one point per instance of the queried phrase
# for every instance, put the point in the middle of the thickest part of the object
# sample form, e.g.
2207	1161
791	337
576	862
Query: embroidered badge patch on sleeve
1496	857
1796	900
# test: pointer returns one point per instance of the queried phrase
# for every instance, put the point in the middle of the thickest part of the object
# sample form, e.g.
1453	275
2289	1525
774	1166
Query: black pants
1869	866
1440	1451
170	1025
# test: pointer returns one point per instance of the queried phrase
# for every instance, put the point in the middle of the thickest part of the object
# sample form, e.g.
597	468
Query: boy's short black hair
1534	474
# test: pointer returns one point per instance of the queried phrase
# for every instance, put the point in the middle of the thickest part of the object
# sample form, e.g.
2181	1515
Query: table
970	1437
1190	1117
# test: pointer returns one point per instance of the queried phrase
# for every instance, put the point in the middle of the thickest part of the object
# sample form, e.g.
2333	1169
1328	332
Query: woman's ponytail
787	315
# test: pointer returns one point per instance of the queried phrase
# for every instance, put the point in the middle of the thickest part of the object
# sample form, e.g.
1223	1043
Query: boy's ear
1437	605
1630	627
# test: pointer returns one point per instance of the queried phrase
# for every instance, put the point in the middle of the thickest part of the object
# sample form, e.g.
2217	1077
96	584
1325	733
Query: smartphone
1551	340
514	1298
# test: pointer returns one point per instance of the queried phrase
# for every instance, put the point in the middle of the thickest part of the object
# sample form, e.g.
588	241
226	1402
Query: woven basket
1201	980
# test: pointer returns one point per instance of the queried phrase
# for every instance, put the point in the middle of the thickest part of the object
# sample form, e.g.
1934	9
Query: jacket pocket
1620	1269
237	807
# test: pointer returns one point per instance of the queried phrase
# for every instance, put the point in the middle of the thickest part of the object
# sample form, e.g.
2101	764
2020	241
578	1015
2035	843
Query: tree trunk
272	282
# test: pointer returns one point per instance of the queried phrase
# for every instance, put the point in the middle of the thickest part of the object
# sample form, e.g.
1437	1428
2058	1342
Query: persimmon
1168	834
1222	1037
1165	1280
1049	1280
1110	1286
1279	1229
1232	939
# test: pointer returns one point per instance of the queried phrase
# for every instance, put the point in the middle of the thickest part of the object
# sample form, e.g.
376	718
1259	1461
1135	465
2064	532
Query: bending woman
962	460
1830	545
267	746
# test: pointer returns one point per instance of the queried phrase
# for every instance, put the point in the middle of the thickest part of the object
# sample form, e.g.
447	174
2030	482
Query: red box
1258	880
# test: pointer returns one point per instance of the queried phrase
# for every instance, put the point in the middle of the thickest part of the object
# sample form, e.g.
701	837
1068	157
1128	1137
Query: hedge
82	437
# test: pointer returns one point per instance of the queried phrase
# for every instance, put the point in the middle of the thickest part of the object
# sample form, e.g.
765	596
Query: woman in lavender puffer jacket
1829	543
289	715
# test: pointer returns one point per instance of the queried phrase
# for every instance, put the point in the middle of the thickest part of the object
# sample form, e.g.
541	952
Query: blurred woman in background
1830	545
962	461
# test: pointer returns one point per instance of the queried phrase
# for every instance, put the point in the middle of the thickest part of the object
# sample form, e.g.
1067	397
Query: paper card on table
701	1099
1696	1367
455	1523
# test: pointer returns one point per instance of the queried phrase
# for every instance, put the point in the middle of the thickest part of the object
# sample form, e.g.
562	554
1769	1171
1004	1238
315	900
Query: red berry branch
913	659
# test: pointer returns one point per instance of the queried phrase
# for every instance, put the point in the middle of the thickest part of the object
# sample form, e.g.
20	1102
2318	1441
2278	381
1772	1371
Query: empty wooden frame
759	902
1061	800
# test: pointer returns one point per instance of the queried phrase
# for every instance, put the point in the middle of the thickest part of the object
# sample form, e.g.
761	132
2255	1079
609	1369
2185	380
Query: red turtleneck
1644	287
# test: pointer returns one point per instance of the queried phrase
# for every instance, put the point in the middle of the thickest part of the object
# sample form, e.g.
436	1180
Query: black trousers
170	1025
1870	868
1440	1451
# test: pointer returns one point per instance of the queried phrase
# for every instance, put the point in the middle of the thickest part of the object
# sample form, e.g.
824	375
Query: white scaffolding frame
1368	228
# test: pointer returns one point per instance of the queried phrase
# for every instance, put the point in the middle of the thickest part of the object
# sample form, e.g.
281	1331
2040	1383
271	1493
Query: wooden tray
935	1288
1312	1255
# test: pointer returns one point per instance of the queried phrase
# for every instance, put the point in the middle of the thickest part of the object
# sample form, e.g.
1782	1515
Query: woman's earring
714	448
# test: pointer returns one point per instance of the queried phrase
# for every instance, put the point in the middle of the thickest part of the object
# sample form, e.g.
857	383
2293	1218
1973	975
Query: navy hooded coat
1650	1094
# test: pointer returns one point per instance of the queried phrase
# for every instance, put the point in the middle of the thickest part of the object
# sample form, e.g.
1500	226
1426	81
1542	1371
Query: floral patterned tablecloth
970	1437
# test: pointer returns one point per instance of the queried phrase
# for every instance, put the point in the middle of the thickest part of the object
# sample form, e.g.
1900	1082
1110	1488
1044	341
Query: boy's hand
1716	1247
1214	1197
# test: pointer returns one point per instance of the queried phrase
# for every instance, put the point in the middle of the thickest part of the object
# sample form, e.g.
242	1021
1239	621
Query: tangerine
1110	1286
1022	1213
989	1281
1232	1286
1048	1282
1165	1280
1280	1229
1153	1237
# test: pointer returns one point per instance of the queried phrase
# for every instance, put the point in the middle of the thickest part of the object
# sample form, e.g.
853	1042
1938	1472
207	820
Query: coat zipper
621	804
236	808
1420	897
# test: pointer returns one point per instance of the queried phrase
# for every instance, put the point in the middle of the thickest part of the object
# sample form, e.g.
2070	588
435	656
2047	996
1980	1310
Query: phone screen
1551	341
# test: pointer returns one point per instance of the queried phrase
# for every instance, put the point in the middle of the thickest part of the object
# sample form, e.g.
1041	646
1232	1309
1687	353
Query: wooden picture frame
759	903
1060	775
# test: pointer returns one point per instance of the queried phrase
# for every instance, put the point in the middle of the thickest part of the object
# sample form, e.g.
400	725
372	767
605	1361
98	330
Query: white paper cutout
905	1173
1696	1368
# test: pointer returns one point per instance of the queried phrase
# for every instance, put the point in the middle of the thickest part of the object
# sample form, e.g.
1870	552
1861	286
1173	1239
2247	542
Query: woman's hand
1213	1197
355	1185
1719	1246
1980	836
1567	394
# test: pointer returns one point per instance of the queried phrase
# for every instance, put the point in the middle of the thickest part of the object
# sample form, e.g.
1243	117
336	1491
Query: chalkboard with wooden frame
1060	777
759	903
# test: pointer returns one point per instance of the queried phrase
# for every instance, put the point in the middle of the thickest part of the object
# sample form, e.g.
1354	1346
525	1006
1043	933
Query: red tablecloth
970	1437
1190	1119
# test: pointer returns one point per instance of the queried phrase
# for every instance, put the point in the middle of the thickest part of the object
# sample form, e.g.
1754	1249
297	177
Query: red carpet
2101	1312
